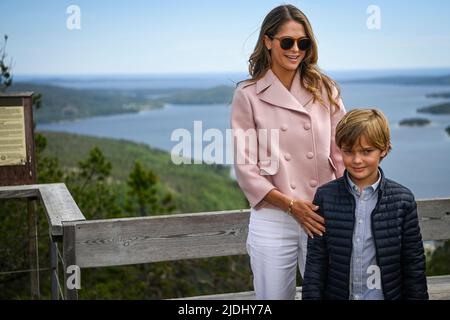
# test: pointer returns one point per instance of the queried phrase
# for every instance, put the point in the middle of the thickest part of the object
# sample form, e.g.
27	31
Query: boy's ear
383	153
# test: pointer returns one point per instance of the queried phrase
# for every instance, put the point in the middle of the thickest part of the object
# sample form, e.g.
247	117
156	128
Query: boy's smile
362	161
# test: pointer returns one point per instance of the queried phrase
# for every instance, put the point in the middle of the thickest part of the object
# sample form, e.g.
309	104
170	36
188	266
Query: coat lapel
271	90
303	96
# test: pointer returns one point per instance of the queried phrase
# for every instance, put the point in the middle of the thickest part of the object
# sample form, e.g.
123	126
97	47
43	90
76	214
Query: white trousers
276	244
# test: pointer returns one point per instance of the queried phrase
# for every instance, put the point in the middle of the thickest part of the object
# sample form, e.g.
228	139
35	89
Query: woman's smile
295	58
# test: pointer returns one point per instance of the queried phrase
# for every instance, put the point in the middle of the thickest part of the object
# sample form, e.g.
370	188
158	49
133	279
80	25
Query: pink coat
306	156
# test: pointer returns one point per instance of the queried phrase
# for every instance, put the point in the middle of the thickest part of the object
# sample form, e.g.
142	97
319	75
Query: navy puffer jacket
398	243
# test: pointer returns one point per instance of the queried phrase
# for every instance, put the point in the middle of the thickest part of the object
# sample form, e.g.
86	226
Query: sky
204	36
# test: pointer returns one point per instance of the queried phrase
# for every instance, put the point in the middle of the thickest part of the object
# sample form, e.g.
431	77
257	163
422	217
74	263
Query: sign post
18	163
17	155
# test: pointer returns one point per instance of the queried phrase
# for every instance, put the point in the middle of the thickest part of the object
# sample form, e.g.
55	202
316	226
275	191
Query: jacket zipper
380	194
351	246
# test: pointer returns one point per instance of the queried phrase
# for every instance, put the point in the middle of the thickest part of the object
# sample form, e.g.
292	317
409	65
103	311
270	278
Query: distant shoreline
63	104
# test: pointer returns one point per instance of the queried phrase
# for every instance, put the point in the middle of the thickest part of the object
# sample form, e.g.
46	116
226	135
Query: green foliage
13	246
95	168
89	186
143	197
439	264
47	166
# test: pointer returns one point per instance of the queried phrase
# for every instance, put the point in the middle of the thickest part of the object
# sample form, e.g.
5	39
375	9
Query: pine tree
5	68
144	194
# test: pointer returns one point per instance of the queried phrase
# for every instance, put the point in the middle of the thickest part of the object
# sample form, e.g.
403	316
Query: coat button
284	127
307	126
313	183
293	186
310	155
287	156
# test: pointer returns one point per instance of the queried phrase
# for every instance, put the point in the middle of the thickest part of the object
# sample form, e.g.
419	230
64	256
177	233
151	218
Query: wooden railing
115	242
59	206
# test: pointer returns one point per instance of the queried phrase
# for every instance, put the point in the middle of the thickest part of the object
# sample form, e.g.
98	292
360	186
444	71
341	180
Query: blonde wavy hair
370	123
312	77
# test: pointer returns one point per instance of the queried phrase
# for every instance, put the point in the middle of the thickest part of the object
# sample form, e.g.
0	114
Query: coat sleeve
413	258
254	185
315	276
335	153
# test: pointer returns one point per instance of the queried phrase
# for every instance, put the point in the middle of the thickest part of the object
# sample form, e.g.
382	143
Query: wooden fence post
69	257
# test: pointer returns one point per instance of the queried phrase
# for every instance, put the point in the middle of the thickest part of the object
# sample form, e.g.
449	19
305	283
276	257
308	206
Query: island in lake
442	108
448	130
445	95
415	122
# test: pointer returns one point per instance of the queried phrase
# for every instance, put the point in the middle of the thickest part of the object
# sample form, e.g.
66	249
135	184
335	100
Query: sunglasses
287	43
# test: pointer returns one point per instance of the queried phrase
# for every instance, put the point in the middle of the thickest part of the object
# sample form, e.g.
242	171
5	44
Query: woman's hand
303	212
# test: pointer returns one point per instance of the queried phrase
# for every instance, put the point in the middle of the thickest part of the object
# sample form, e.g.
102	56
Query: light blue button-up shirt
365	275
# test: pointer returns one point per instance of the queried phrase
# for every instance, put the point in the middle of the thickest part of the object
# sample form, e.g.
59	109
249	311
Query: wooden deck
438	289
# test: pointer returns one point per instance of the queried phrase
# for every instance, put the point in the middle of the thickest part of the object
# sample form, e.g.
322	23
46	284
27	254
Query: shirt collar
354	188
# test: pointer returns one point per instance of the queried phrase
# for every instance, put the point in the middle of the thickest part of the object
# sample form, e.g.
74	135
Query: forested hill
65	104
60	103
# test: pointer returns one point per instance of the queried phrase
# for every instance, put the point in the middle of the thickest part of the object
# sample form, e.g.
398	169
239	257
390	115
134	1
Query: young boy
372	248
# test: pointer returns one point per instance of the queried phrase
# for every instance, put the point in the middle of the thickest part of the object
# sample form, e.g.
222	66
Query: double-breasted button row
306	126
287	156
312	184
309	155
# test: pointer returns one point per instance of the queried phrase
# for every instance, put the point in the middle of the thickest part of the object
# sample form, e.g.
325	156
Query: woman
289	110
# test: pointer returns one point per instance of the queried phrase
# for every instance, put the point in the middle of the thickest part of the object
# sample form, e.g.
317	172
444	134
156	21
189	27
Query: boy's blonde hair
370	123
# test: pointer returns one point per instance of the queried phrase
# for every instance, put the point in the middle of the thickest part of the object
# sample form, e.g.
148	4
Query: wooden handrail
58	203
113	242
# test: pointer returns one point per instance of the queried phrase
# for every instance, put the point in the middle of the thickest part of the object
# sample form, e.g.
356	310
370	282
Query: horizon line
443	68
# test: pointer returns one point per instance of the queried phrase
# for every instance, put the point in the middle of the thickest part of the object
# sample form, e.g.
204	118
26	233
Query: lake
420	158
